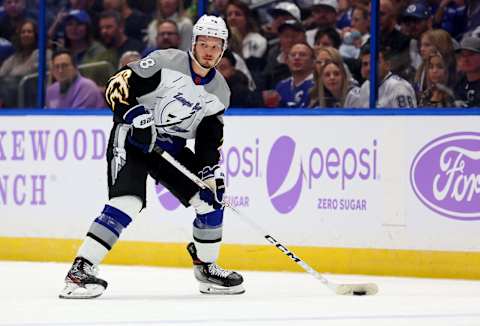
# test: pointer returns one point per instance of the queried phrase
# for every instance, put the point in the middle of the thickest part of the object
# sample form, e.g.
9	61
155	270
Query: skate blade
73	291
208	288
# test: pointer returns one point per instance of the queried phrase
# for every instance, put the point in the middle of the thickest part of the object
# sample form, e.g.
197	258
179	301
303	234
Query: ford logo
445	175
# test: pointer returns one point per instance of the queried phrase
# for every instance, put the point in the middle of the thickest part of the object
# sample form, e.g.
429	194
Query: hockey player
158	103
393	91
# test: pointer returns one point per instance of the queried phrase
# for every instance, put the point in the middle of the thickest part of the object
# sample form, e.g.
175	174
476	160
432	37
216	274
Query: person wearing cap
79	39
416	20
280	13
289	33
467	90
324	14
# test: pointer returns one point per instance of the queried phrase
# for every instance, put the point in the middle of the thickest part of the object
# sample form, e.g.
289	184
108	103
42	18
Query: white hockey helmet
209	25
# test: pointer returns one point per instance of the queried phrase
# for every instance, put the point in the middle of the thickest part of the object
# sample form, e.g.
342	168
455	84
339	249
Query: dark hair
59	52
228	54
169	21
112	14
16	38
250	16
312	51
331	33
384	50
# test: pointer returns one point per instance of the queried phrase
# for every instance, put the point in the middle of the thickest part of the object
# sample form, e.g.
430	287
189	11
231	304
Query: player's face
436	70
332	78
207	50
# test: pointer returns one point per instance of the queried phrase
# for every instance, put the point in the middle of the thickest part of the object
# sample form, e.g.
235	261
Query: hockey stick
341	289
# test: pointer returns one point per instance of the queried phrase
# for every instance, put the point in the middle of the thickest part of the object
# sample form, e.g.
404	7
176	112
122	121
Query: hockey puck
359	292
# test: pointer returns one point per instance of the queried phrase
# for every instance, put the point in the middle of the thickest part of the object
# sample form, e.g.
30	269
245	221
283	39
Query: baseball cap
283	8
417	10
327	3
292	23
469	43
80	16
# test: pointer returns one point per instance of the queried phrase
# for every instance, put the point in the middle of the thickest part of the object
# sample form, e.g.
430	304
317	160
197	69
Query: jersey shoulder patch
157	60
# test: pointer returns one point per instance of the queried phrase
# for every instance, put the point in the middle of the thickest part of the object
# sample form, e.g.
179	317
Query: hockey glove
142	132
213	177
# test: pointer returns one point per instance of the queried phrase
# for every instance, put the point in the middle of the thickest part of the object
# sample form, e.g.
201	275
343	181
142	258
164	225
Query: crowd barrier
364	192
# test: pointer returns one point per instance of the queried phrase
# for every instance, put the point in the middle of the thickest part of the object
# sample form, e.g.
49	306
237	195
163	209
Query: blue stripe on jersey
209	220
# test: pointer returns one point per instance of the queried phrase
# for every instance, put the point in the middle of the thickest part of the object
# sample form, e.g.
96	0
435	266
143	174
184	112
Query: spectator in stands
128	57
437	93
219	8
473	14
295	91
290	32
280	13
167	36
391	38
467	90
417	20
23	62
354	36
323	15
114	39
253	45
56	30
71	90
241	96
451	16
15	12
435	40
344	13
6	49
135	22
332	83
79	37
173	10
327	37
393	91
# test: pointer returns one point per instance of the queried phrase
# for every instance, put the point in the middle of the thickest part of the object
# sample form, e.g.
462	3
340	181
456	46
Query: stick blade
357	289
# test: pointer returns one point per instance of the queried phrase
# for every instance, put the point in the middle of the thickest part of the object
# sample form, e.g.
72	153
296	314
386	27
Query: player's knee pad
116	215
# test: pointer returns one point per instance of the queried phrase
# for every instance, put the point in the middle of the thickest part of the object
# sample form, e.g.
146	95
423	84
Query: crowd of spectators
290	54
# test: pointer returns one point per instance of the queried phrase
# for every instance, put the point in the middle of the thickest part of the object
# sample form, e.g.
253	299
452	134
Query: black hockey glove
142	132
213	177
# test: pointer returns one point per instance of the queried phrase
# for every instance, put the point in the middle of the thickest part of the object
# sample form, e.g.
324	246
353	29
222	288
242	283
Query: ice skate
81	281
214	279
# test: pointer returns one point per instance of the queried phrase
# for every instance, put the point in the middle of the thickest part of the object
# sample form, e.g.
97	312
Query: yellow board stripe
438	264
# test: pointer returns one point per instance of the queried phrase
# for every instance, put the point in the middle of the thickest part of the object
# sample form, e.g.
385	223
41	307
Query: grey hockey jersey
184	104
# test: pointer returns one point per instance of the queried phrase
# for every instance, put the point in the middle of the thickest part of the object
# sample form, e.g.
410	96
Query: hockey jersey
393	92
184	104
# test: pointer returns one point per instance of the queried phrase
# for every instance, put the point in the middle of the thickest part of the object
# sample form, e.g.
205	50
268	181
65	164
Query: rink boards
394	195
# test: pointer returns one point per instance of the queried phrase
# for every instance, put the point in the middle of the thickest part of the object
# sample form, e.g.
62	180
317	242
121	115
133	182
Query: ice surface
163	296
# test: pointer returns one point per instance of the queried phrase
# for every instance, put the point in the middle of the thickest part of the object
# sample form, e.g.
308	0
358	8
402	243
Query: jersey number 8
147	63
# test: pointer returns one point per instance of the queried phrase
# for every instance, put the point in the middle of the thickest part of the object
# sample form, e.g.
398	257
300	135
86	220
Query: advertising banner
389	182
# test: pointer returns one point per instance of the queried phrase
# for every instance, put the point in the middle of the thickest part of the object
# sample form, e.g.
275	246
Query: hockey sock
103	234
207	235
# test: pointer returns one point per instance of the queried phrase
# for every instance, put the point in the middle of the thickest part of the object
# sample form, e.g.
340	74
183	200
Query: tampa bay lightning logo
280	167
175	107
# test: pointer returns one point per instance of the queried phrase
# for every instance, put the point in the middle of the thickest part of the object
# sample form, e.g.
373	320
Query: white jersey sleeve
396	92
